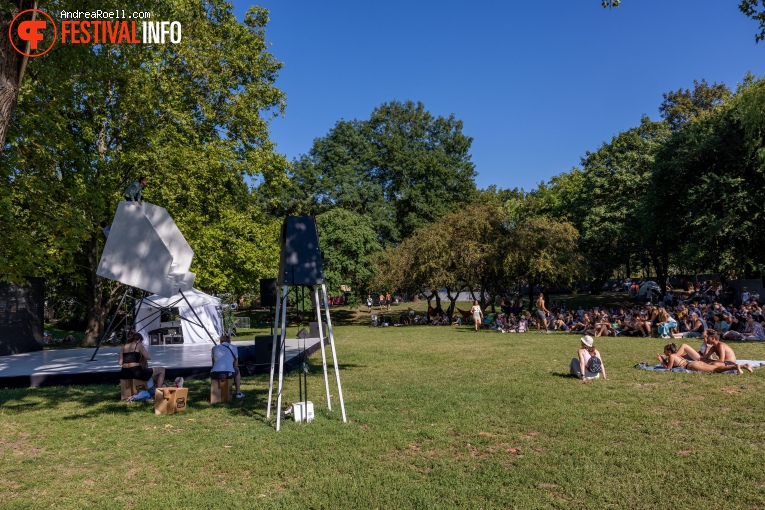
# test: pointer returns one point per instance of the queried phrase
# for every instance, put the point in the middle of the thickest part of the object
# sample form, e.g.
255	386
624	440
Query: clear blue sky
536	83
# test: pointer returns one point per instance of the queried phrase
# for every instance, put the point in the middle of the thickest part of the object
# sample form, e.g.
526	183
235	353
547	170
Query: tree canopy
403	168
191	117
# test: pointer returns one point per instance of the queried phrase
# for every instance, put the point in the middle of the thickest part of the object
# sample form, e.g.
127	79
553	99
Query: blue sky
537	84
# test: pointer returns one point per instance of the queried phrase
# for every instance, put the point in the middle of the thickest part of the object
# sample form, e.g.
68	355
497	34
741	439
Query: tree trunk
10	69
94	296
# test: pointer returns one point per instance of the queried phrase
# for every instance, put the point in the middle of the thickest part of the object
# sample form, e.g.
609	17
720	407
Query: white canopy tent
201	316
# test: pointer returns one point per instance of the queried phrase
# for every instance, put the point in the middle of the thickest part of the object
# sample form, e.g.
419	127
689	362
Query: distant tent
653	286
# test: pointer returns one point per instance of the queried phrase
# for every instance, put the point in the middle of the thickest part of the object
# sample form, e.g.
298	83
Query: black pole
108	330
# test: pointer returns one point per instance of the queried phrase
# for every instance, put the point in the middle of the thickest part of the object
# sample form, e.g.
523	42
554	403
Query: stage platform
73	366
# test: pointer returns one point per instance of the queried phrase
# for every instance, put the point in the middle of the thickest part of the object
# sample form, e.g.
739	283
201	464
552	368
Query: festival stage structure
300	265
145	250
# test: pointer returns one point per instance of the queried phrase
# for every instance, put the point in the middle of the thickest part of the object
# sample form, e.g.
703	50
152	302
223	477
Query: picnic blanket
659	368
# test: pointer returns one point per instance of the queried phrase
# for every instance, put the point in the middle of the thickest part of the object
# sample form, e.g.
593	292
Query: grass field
439	417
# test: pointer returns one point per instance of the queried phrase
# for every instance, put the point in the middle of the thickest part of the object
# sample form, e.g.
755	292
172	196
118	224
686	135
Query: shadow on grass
563	375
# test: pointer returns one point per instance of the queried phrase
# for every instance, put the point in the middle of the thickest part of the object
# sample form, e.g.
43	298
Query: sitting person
131	356
603	326
586	351
523	324
671	360
664	323
559	324
226	363
753	331
721	322
694	327
717	353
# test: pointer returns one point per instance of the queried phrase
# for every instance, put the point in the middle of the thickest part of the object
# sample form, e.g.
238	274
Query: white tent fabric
207	308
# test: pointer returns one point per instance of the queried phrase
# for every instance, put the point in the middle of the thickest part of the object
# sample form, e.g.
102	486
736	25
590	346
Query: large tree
704	205
402	167
614	179
348	244
191	116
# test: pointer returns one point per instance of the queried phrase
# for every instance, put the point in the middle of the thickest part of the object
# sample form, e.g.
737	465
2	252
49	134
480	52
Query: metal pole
334	353
274	332
321	342
108	330
197	317
281	362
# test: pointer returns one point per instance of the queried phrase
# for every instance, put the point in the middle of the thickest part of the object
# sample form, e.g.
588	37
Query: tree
348	244
614	179
704	203
193	116
403	168
544	253
683	105
754	9
12	65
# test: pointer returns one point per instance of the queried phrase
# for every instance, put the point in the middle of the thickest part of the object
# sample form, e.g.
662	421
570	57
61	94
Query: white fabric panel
146	250
210	319
207	308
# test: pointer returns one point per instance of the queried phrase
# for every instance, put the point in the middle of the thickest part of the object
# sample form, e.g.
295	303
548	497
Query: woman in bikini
671	360
130	360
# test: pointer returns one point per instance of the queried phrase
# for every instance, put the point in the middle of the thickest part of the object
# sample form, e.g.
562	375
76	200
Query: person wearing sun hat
588	364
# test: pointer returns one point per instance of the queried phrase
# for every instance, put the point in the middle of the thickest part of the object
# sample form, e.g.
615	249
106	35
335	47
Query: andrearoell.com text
103	14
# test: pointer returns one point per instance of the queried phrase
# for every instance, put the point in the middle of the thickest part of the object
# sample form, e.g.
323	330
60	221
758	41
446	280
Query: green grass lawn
439	417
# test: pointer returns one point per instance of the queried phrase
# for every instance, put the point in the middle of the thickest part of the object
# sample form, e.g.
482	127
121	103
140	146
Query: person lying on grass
671	360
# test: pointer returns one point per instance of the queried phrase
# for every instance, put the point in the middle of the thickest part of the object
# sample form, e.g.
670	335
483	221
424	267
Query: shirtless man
724	352
541	313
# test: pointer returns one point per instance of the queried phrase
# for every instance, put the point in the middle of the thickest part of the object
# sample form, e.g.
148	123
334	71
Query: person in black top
130	359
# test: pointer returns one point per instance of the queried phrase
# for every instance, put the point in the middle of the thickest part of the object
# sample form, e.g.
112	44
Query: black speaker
300	261
22	309
268	292
263	347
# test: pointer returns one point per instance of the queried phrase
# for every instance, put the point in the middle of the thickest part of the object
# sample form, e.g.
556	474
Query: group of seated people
685	320
48	339
134	358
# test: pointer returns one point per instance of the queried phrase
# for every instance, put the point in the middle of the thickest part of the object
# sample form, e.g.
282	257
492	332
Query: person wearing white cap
588	364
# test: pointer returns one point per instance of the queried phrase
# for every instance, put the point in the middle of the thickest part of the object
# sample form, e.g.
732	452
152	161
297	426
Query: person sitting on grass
131	356
721	324
559	324
717	353
523	324
694	327
753	331
581	366
602	326
671	360
664	323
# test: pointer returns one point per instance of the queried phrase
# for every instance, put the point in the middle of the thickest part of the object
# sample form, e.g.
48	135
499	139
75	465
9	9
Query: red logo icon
31	31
